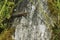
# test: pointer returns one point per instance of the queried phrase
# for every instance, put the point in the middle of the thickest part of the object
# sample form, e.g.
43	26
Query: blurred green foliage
6	7
54	7
6	10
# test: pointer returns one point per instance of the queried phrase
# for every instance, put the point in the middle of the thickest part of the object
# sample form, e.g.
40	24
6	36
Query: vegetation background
7	8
